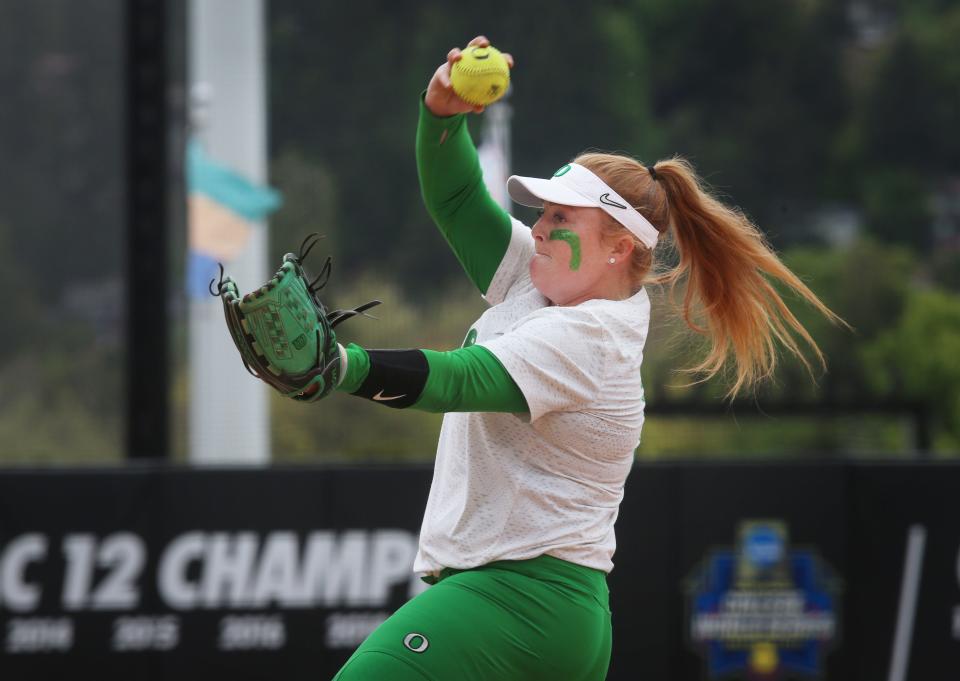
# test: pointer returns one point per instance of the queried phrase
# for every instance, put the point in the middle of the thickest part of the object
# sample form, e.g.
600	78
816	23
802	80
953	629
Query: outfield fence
842	571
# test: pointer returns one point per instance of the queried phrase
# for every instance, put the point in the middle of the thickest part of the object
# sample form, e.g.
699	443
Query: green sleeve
466	379
469	379
358	366
476	227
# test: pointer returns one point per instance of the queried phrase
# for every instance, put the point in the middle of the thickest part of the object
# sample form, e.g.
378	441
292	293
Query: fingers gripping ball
284	333
481	77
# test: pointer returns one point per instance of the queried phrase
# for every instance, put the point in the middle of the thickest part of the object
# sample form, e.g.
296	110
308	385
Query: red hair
725	262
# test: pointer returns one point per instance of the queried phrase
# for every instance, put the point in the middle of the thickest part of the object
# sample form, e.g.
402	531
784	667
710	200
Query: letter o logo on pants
415	642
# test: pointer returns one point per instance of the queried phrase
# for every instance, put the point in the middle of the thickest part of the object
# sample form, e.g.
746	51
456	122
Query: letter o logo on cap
415	642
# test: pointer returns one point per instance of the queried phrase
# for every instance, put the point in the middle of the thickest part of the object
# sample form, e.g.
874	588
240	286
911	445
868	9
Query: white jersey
517	486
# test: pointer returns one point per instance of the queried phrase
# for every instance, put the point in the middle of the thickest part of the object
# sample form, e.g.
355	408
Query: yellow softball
481	77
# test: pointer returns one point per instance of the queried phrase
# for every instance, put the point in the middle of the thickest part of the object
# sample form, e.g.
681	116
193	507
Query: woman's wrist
437	106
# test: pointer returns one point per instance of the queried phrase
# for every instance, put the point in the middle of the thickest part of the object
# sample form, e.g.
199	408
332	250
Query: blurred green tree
918	358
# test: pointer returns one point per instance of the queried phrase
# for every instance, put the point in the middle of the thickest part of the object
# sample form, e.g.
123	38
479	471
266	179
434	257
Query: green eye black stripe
574	241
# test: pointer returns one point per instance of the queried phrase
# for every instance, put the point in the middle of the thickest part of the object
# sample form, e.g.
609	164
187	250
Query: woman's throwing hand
441	100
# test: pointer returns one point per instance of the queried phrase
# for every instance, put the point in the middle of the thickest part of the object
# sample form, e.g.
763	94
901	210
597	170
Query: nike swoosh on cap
606	199
380	398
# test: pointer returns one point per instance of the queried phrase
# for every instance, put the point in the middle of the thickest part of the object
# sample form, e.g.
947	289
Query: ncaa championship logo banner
763	610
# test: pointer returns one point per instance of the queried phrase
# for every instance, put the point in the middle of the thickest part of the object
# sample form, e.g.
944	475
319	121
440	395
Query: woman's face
571	263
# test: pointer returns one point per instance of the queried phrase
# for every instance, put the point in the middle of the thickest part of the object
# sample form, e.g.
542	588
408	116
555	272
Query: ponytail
727	267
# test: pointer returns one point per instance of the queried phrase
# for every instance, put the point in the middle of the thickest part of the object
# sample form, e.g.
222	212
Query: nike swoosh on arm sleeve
475	226
467	379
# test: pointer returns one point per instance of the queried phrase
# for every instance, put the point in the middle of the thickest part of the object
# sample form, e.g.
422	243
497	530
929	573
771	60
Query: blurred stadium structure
831	123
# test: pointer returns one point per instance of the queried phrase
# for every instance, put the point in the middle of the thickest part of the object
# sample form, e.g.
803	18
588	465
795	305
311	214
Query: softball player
544	403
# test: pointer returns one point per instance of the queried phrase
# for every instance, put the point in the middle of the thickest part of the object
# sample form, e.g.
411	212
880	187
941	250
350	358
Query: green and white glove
284	332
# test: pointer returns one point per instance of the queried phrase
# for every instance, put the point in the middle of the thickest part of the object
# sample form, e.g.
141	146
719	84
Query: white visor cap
574	185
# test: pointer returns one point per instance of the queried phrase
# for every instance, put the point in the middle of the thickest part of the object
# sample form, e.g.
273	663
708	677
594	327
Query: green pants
541	619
